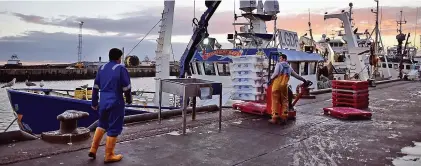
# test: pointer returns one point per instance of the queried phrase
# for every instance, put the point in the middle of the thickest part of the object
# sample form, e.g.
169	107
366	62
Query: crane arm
200	33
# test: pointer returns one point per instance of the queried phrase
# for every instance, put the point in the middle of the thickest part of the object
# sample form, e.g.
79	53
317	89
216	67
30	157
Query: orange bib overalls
280	91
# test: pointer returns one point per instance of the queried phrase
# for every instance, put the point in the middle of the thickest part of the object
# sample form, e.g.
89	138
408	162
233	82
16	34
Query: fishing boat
36	109
389	60
400	61
211	62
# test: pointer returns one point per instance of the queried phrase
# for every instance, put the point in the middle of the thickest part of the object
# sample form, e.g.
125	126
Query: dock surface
313	139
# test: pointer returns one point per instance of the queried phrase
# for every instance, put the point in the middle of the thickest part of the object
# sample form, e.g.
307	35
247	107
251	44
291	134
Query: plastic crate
248	96
349	82
358	105
350	87
346	113
247	74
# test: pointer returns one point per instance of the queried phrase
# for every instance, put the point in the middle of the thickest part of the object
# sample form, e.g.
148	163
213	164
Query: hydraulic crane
200	33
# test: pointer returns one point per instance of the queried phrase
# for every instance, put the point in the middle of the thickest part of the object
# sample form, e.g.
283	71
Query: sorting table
190	87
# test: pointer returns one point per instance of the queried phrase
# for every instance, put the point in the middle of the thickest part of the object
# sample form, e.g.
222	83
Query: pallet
346	113
349	82
350	87
350	100
351	92
360	105
349	95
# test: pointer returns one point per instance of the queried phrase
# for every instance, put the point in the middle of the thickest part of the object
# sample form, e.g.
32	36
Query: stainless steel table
190	87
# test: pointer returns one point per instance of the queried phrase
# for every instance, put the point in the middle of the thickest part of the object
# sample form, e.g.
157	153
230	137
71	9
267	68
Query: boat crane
200	33
354	60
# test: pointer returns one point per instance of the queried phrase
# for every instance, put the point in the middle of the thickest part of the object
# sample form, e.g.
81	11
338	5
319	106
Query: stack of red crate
348	93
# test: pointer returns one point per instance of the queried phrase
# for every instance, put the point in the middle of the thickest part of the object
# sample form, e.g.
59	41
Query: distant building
14	61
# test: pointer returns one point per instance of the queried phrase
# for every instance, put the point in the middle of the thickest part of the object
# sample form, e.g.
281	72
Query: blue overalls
112	80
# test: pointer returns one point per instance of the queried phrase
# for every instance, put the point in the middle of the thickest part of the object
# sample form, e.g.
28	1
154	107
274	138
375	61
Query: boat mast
376	43
400	37
309	26
162	66
375	53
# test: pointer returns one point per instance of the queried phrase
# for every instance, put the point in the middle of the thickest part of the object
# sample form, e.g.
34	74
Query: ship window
192	69
312	67
198	68
395	66
304	69
383	65
223	69
390	65
295	67
407	67
209	68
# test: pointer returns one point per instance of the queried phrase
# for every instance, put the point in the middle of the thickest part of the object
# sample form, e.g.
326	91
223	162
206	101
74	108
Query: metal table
190	87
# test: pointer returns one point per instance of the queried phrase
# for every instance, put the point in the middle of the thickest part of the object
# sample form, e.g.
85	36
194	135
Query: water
6	115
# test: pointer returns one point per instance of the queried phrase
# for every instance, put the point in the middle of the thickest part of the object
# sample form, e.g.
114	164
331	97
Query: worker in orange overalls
279	81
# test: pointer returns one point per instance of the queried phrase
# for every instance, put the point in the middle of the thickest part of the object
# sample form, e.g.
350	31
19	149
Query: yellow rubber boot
274	120
99	132
109	150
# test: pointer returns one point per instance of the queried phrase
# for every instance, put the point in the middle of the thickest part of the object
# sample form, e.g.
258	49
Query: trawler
36	109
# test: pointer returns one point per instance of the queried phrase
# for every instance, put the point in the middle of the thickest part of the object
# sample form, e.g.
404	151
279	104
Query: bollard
68	132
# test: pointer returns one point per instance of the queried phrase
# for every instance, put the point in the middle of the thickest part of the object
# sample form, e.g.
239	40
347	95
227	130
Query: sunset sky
47	31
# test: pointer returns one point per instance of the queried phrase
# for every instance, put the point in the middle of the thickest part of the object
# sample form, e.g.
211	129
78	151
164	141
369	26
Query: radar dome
271	7
248	6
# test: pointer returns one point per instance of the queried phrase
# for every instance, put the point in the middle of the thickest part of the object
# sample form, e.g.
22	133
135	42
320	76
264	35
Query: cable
144	37
173	58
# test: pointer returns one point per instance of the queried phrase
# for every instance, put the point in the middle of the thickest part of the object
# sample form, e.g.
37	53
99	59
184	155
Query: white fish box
248	74
249	89
253	67
248	81
248	96
248	59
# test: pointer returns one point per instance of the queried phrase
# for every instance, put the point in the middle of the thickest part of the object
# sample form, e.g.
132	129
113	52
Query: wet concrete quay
313	139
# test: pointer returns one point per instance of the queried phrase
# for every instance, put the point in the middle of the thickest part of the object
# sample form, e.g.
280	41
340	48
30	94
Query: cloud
133	22
128	27
62	47
140	22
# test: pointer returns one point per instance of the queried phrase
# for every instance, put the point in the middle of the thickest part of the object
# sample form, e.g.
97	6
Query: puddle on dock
175	133
237	122
412	158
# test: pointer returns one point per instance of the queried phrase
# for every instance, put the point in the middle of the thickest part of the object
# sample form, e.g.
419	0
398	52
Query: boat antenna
416	24
309	25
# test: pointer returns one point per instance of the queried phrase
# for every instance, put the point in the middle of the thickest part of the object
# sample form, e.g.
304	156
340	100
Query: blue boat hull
38	113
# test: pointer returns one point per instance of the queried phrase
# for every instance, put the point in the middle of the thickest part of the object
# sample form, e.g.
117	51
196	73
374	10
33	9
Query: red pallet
350	100
350	87
349	95
359	105
349	82
346	113
350	92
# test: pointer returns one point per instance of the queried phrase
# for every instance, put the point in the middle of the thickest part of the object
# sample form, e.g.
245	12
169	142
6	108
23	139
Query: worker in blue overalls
112	80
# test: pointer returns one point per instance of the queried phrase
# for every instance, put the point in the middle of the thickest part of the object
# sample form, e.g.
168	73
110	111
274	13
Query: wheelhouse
215	65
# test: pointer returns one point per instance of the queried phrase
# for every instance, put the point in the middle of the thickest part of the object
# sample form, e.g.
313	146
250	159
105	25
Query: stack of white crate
248	74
